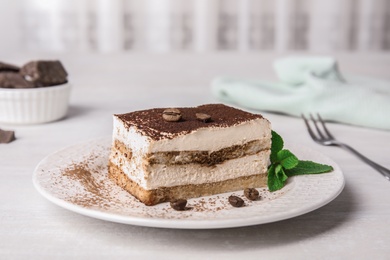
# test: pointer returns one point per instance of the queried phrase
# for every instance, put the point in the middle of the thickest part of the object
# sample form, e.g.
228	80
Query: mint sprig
285	164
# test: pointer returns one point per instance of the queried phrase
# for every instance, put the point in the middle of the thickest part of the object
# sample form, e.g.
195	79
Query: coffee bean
236	201
203	117
251	194
179	204
171	115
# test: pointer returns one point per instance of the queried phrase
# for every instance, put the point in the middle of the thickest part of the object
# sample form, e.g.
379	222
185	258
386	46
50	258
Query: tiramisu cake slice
162	154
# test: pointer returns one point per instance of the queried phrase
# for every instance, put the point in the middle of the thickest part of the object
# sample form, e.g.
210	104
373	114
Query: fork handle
384	171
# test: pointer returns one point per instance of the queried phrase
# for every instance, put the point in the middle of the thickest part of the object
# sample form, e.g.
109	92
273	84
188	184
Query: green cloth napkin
312	85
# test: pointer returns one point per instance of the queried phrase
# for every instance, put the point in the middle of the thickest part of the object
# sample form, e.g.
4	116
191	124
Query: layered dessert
161	155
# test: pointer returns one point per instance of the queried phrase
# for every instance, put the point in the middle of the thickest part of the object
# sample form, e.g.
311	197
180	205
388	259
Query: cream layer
158	175
203	139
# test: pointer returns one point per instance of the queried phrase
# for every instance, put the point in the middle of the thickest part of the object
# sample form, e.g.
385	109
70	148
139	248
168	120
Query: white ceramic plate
75	178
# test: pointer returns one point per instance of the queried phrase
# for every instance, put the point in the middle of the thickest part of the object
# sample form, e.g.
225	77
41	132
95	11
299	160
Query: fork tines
320	134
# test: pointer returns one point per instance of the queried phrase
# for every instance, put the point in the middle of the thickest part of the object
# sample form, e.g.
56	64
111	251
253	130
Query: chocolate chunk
14	80
6	136
8	67
44	73
236	201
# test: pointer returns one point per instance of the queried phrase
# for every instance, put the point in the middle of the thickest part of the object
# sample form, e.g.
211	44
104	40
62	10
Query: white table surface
356	225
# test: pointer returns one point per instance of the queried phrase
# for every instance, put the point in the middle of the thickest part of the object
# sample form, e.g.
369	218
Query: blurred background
194	25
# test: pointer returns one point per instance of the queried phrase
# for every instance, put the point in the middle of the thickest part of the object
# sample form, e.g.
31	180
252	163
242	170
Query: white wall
195	25
10	24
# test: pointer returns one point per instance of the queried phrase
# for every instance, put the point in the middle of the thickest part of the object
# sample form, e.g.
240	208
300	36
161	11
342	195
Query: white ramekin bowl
34	105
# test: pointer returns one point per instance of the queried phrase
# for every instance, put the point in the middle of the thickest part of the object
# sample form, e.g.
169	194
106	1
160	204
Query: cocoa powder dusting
95	189
151	123
84	176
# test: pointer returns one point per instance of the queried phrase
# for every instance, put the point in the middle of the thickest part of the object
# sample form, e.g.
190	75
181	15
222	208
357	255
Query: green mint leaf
308	167
287	159
285	164
276	145
280	173
274	183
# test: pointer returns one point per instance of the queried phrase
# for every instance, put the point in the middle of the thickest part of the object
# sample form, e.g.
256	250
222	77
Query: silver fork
324	137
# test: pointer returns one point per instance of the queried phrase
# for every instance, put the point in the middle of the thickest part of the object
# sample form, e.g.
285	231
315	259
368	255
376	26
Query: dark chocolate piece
8	67
151	123
6	136
44	73
14	80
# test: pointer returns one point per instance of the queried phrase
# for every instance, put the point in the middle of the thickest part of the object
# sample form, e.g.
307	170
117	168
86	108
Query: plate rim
185	223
